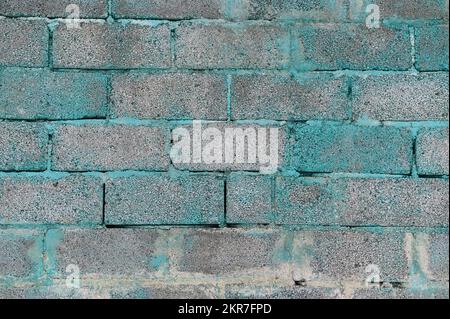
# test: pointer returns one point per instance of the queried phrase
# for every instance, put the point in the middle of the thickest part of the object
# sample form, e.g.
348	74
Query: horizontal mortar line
219	173
162	226
112	173
52	121
113	18
227	71
351	175
260	121
432	176
218	227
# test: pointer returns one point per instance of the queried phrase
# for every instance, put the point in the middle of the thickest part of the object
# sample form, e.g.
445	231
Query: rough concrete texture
283	97
34	94
51	8
231	45
336	255
74	199
23	147
231	252
169	9
309	10
369	202
111	46
108	148
438	257
20	255
104	252
163	199
432	152
23	42
351	46
392	293
249	199
331	148
432	48
403	10
405	97
281	292
170	96
105	168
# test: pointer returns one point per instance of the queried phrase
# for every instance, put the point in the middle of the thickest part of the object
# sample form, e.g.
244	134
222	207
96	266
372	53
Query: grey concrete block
163	199
401	97
227	252
20	255
369	202
249	199
351	46
218	46
432	151
195	96
282	97
54	9
330	256
23	146
432	48
73	199
23	42
104	253
99	147
99	45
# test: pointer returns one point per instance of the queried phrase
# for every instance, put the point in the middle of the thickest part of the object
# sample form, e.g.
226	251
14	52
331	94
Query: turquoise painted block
36	94
346	148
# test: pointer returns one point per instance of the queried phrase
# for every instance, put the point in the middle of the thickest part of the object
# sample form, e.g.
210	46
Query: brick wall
87	117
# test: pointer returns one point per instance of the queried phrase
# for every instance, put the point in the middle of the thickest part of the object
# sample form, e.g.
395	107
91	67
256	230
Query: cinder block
330	256
54	9
358	149
249	199
74	199
356	202
401	97
308	10
231	252
96	147
34	94
401	10
231	45
20	255
401	293
280	292
94	290
101	45
23	146
432	151
170	96
169	9
23	42
125	253
169	291
432	48
282	97
438	257
351	46
162	199
221	146
305	10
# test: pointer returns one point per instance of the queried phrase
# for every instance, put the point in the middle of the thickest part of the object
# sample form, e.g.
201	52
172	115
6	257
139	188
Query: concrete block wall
92	205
